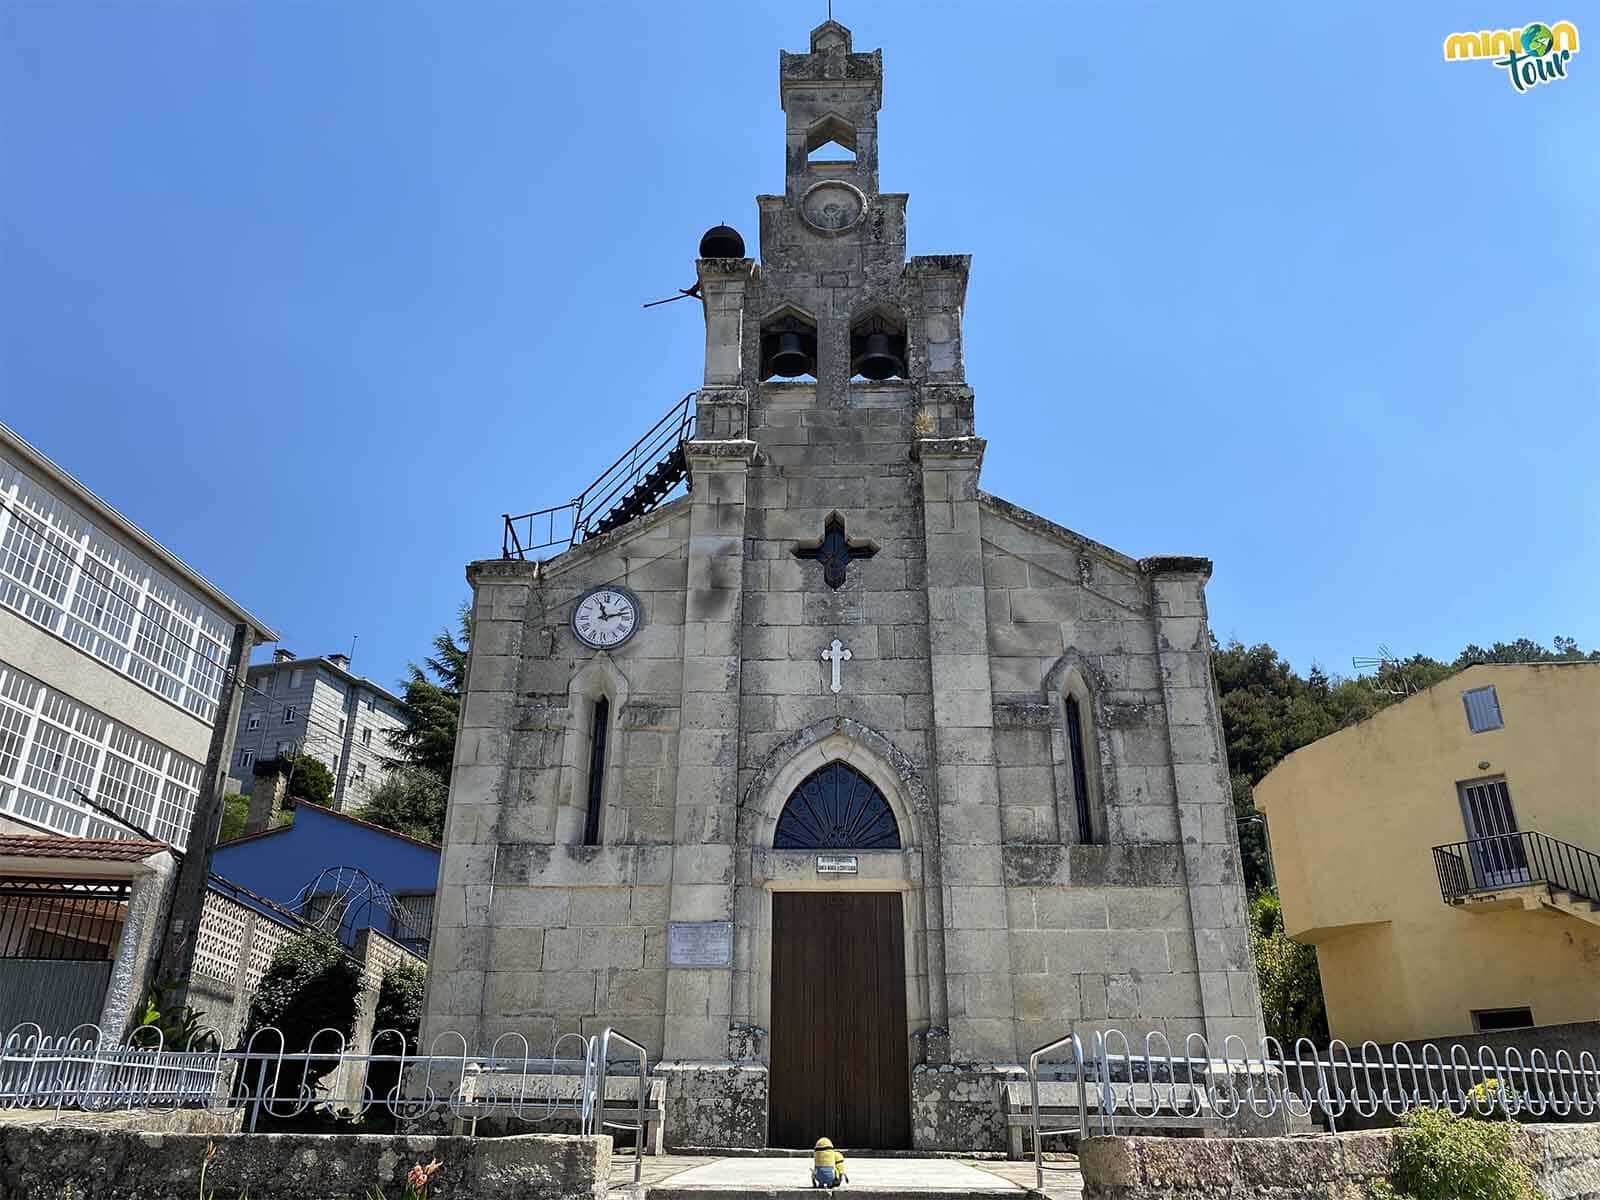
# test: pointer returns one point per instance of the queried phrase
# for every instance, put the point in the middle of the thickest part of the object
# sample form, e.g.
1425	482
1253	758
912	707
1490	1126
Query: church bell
788	351
877	359
877	350
790	358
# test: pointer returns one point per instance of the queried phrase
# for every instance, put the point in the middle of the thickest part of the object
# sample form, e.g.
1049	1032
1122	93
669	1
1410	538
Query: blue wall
280	863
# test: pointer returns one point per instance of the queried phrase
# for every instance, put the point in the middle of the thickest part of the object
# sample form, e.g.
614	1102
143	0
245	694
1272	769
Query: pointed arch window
597	772
837	808
1076	732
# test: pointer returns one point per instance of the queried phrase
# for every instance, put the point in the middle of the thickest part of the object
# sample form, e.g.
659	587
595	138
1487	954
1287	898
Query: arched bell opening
788	346
878	347
837	808
831	141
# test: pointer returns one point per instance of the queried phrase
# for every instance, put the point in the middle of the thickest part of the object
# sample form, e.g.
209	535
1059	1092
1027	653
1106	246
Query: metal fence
266	1080
1124	1085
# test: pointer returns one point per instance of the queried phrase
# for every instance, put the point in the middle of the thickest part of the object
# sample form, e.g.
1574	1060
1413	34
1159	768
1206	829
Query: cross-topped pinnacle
835	551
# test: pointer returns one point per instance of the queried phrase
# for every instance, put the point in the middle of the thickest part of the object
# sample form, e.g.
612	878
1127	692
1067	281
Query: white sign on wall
700	944
836	864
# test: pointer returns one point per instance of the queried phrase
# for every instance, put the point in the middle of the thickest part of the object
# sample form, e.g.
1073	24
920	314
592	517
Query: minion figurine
827	1166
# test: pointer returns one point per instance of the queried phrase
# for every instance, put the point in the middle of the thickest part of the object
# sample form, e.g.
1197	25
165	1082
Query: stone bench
542	1096
1058	1108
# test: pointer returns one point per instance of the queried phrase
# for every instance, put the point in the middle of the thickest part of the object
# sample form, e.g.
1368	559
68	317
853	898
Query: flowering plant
418	1178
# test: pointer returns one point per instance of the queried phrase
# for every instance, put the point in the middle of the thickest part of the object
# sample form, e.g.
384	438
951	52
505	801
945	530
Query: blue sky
315	291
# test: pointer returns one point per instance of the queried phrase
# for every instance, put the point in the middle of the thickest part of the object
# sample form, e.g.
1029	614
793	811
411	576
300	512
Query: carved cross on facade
838	656
835	551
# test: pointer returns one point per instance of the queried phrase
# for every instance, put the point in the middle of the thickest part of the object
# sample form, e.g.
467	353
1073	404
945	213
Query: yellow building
1444	856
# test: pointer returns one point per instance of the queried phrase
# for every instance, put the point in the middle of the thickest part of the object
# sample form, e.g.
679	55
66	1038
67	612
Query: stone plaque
700	944
836	864
832	207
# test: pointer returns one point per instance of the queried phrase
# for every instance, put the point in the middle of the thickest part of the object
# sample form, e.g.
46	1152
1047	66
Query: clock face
605	617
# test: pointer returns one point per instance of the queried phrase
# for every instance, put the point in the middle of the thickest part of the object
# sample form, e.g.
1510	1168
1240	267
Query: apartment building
316	706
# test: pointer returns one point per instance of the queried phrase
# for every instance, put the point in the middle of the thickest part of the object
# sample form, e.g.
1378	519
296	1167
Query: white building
112	657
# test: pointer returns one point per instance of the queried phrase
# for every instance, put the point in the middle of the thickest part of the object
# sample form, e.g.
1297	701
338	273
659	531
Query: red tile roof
91	849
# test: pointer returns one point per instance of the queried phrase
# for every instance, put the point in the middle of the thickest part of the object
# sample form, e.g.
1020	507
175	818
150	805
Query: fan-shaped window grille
837	808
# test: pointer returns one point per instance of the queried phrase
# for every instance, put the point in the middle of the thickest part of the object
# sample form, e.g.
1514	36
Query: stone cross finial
837	655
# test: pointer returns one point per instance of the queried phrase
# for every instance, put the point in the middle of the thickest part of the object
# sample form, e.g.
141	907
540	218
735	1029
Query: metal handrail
1512	860
1076	1043
570	522
597	1119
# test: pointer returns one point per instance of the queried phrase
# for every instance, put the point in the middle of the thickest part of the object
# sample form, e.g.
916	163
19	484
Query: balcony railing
1514	860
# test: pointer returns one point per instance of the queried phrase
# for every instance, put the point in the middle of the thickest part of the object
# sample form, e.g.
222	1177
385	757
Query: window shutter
1483	709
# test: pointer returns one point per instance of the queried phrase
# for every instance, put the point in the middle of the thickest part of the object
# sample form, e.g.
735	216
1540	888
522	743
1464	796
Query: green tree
431	703
309	780
410	800
1525	650
1286	976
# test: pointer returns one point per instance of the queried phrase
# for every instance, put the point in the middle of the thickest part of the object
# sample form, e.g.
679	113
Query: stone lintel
970	448
502	570
730	450
734	270
1175	564
1024	714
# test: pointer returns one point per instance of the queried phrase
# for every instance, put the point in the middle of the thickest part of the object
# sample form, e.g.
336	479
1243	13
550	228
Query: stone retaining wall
1565	1160
958	1106
55	1160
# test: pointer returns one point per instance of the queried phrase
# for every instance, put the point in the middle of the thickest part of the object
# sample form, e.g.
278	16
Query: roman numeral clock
606	617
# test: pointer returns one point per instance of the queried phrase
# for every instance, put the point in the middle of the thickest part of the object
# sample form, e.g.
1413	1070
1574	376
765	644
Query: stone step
667	1191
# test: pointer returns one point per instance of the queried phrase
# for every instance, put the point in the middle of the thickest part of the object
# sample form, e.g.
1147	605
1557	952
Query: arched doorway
839	1062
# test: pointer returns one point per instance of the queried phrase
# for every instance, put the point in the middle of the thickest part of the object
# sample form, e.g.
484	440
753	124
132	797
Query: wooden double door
839	1066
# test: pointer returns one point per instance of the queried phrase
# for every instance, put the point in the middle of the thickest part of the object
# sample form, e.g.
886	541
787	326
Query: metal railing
1512	860
568	524
1119	1084
84	1071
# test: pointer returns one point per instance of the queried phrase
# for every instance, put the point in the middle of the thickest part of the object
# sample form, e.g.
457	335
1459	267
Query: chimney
282	656
342	661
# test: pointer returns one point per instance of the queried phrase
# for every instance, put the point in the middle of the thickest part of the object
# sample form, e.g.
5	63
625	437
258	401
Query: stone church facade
1011	817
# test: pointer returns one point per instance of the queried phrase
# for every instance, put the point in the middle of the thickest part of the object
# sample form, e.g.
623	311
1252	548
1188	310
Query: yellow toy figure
827	1166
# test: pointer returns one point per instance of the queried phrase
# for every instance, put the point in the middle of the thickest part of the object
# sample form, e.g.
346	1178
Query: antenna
1388	674
354	638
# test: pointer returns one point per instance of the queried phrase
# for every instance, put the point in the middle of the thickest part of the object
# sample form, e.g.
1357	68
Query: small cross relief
837	655
835	551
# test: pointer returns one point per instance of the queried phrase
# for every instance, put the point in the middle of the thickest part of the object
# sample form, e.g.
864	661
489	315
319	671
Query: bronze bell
877	359
790	357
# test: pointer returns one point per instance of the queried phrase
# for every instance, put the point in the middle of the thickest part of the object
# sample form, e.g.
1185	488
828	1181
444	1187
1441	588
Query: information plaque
836	864
700	944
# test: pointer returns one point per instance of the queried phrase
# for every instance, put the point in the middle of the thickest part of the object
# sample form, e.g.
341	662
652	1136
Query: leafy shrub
311	985
235	814
181	1026
399	1008
1439	1156
400	1002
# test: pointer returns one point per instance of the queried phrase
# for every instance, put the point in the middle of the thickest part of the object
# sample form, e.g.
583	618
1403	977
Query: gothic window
1076	736
837	808
597	771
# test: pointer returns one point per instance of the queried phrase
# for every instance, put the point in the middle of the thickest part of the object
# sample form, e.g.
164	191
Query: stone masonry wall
57	1160
714	1105
1565	1160
956	1107
535	932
